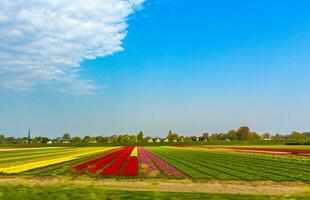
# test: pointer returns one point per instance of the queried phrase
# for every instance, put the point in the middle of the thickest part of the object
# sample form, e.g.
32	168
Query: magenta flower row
144	159
167	168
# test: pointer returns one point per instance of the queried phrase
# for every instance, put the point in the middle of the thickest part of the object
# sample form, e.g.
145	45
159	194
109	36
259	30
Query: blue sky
189	66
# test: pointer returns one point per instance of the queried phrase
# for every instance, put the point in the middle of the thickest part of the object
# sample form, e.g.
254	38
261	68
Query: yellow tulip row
49	161
63	151
134	152
36	158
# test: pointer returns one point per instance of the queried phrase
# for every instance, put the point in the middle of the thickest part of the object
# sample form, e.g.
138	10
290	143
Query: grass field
62	192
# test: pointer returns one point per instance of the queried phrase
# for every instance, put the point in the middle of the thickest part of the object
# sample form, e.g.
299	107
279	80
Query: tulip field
14	162
196	163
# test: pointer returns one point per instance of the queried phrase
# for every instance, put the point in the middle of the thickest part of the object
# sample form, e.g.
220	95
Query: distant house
65	141
158	140
166	140
93	142
150	140
49	142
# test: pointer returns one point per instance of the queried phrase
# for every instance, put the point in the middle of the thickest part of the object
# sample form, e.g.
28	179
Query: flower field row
43	161
16	160
95	161
131	166
115	167
147	166
163	165
111	164
30	153
163	162
64	168
125	162
214	164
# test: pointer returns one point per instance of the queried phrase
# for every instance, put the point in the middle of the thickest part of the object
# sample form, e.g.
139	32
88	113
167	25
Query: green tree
113	139
2	139
86	139
255	136
297	136
101	139
205	136
232	135
140	136
213	137
193	138
66	136
39	140
186	139
306	134
132	138
172	136
223	136
244	133
44	140
10	140
36	140
56	140
76	139
124	138
278	136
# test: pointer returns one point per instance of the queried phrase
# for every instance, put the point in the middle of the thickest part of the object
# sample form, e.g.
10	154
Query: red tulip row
95	161
114	167
131	167
111	164
106	161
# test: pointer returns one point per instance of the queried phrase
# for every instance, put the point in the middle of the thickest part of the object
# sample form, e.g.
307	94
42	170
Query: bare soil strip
227	187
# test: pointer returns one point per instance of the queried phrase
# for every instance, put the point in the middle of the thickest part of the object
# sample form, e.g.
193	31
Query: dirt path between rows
232	187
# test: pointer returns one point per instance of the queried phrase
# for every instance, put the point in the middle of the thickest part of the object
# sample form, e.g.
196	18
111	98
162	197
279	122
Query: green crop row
227	166
245	167
273	167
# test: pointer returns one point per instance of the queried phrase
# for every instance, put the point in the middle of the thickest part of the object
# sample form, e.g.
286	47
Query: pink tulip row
147	162
167	168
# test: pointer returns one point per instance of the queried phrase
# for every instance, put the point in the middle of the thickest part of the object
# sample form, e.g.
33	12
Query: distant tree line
242	133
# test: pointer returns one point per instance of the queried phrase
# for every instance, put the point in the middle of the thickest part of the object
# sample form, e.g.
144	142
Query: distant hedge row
235	142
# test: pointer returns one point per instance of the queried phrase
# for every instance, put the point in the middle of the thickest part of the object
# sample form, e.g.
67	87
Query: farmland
156	165
14	162
168	162
213	164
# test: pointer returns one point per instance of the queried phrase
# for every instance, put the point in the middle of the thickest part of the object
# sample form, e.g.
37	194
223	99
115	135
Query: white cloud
43	42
